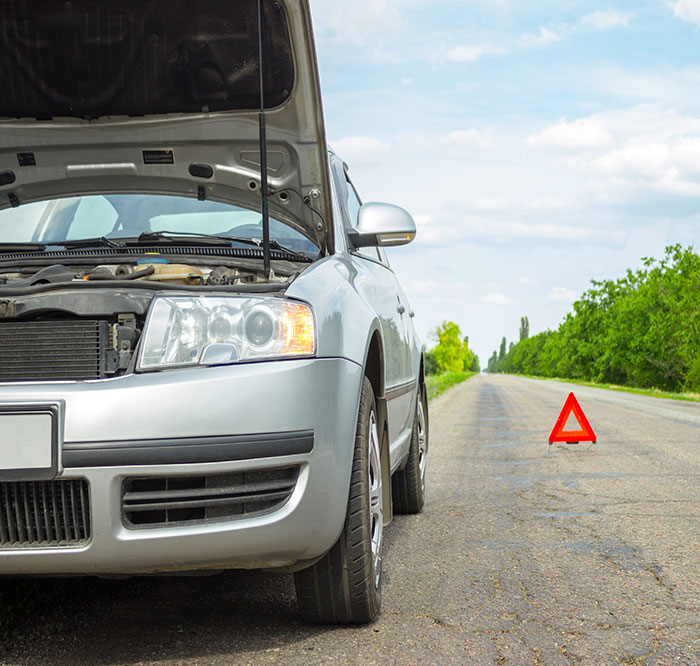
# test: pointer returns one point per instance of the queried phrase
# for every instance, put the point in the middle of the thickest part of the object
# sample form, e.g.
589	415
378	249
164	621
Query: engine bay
151	270
84	321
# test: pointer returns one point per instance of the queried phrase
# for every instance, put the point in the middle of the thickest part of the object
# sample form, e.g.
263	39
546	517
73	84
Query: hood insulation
89	58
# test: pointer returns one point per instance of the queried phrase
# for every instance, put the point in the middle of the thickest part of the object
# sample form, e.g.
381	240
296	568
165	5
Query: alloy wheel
375	497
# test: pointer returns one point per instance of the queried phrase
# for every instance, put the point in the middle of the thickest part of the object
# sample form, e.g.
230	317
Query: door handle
401	309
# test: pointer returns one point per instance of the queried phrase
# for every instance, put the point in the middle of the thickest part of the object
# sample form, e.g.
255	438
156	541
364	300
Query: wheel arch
374	363
375	372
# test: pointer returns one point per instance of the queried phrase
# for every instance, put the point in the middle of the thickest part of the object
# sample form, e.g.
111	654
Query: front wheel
408	485
345	586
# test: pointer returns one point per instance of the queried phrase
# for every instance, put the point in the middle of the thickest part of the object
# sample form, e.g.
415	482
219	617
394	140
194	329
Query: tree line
452	353
641	330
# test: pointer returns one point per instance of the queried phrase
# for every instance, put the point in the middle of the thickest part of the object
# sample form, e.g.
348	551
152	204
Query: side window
383	257
93	218
353	204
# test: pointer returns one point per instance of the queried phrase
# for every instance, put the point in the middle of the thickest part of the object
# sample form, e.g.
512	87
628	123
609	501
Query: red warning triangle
585	434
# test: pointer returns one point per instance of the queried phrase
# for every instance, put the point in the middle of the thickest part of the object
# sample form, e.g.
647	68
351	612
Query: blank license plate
28	445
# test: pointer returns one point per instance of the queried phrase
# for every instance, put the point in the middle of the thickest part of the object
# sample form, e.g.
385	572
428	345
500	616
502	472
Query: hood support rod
264	185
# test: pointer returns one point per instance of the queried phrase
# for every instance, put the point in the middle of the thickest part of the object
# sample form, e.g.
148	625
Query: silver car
206	361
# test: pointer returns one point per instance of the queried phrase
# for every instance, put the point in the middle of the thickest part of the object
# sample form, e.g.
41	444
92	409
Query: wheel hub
422	445
374	468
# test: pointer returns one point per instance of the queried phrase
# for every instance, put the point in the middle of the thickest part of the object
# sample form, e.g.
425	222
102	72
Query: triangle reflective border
585	434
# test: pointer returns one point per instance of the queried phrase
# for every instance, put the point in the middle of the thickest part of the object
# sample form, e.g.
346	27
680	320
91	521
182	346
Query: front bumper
142	420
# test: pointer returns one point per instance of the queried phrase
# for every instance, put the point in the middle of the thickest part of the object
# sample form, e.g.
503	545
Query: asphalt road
578	555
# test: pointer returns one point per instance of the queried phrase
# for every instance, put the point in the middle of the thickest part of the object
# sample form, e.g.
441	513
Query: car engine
67	322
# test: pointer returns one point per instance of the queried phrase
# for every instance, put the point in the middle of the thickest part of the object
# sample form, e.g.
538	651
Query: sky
538	144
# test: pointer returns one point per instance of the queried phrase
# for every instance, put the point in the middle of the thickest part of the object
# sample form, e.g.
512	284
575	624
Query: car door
401	398
411	357
377	283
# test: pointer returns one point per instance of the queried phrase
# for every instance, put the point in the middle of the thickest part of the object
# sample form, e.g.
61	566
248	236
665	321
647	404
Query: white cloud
687	10
644	159
497	299
362	150
686	155
563	295
671	167
430	232
465	53
361	24
654	151
453	231
457	140
491	204
605	20
545	233
470	137
600	20
582	133
626	156
545	36
545	203
528	281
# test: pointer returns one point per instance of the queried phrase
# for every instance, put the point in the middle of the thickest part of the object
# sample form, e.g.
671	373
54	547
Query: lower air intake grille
52	350
153	502
44	514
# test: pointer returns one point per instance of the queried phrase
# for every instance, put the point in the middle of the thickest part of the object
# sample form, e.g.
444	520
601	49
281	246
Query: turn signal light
298	330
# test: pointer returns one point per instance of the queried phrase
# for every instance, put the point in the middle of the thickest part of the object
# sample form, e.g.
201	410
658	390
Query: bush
431	366
692	379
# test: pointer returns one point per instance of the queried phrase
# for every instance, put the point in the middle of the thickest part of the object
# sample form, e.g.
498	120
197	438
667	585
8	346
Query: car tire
345	586
408	485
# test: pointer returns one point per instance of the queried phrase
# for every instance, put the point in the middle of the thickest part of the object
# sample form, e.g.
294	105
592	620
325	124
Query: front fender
345	321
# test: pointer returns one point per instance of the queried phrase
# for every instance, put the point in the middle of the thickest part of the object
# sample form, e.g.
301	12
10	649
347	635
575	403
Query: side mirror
381	224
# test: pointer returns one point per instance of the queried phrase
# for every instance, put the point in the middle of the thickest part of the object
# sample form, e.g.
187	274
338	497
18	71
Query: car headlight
185	331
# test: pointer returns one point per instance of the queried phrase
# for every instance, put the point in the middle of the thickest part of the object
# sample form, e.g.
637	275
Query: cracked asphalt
523	555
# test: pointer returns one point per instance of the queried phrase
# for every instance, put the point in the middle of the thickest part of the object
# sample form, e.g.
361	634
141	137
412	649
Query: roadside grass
654	393
438	384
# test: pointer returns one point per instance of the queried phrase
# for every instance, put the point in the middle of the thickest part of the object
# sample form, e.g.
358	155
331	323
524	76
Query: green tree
492	365
642	329
468	355
452	353
476	365
524	328
502	351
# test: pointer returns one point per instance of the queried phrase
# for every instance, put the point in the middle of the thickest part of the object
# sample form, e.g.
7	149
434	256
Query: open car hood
163	96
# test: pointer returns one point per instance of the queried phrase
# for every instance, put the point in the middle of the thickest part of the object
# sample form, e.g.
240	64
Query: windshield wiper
57	246
102	241
150	236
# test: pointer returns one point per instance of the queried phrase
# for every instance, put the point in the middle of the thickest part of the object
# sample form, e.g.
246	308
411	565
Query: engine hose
131	276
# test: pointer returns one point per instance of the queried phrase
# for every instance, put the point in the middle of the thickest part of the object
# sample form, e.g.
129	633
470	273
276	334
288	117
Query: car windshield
129	215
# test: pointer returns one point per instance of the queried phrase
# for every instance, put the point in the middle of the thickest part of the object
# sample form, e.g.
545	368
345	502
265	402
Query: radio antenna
264	186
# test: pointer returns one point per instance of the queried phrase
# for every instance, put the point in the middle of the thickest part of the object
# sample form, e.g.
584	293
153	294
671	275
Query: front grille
153	502
44	514
61	349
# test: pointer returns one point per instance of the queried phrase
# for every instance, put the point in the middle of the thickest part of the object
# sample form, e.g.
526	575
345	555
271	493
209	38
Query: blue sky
538	144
